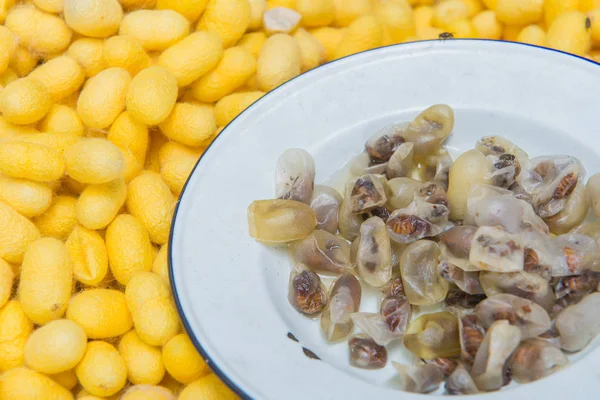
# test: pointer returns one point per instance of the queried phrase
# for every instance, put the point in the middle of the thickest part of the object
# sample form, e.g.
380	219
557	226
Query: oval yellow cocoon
125	52
154	315
148	392
102	371
88	255
185	60
155	29
129	247
27	197
102	313
190	124
62	119
23	383
62	76
207	387
227	18
60	219
94	18
38	31
46	280
95	161
144	362
55	347
88	53
182	360
278	62
152	95
25	101
98	205
150	200
102	99
570	32
15	328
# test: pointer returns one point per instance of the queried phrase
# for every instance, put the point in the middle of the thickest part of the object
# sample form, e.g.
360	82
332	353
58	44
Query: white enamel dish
232	291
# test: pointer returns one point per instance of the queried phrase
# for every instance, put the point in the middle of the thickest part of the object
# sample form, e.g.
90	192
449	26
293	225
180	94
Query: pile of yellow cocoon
105	107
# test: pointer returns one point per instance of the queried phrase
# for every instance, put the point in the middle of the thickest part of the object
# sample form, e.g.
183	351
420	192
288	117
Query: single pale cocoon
7	277
175	171
144	362
88	255
227	18
186	62
38	31
46	280
14	241
62	76
62	119
190	124
25	101
98	205
60	219
55	347
27	197
330	38
231	106
151	201
102	313
152	95
102	371
232	71
156	30
312	52
570	32
102	99
125	52
15	328
94	161
131	136
129	247
154	314
94	18
316	12
182	360
23	383
88	53
207	387
278	62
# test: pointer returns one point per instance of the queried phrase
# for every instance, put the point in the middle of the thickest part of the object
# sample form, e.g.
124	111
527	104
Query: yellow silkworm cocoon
62	76
129	248
28	198
38	31
102	99
88	53
125	52
102	313
25	101
232	71
152	95
62	119
94	161
88	255
46	280
14	241
151	201
102	371
94	18
278	62
144	362
227	18
156	30
184	60
154	314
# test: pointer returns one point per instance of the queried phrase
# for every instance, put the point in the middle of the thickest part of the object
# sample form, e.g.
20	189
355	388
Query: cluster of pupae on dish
498	238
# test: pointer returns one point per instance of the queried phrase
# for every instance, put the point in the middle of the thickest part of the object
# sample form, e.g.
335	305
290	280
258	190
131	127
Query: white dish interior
232	291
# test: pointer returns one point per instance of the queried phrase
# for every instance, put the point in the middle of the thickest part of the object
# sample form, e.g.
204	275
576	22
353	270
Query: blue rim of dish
214	367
